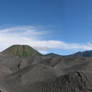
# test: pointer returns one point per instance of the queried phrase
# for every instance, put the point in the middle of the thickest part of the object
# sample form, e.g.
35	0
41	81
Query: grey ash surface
44	73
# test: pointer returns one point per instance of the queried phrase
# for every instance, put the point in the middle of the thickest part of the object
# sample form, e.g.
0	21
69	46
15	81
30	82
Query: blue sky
67	24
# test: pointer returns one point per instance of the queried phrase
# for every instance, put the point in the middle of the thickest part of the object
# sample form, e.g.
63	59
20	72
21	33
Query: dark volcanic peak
83	54
21	50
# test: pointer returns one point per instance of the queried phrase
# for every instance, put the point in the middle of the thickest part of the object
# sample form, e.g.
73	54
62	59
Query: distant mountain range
83	54
25	50
23	69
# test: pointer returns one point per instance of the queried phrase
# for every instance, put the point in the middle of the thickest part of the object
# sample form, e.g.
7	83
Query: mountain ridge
87	53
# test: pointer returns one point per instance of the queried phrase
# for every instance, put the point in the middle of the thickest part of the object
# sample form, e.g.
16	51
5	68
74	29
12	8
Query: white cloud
34	37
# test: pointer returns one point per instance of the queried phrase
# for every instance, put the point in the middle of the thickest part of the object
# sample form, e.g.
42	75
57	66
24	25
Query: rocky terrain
23	69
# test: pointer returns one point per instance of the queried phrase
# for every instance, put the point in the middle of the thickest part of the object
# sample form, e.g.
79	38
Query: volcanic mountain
21	50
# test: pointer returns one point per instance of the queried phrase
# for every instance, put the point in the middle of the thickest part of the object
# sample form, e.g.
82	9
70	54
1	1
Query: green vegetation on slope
21	50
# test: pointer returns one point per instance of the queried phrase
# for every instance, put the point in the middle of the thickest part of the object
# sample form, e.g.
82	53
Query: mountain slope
71	82
21	50
52	55
83	54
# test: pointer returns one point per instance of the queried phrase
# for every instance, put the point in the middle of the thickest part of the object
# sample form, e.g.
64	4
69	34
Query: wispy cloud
34	37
